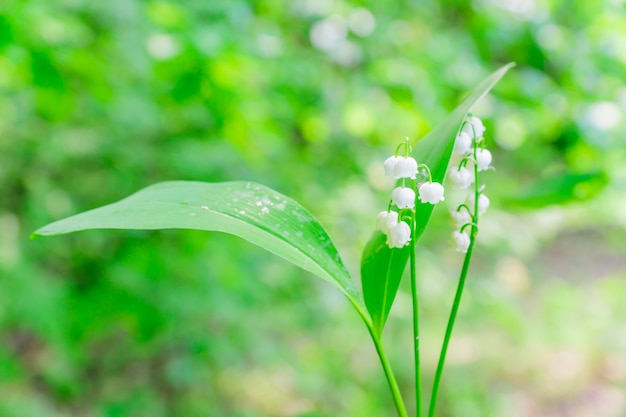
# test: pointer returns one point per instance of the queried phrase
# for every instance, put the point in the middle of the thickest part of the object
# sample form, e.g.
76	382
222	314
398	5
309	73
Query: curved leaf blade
382	269
245	209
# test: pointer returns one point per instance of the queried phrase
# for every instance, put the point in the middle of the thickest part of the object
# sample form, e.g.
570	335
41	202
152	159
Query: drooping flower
386	220
460	217
483	202
461	177
475	126
403	197
400	167
483	159
461	241
399	235
390	165
406	167
431	192
463	143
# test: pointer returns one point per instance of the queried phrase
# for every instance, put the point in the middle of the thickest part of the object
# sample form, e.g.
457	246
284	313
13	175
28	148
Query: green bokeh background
99	99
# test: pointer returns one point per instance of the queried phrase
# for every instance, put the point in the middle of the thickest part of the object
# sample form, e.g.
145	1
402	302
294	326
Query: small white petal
483	159
406	167
399	235
461	177
431	192
474	128
463	143
461	241
386	220
460	217
390	166
403	197
483	202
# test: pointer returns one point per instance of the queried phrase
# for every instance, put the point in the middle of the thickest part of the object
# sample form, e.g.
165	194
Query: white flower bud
386	220
460	217
461	177
403	197
463	143
431	192
399	235
406	167
476	126
461	241
390	166
483	202
483	159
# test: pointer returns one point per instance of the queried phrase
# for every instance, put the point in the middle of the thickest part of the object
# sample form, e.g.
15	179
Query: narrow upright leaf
381	267
245	209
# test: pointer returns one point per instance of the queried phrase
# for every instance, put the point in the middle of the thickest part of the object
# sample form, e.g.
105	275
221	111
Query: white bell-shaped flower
405	167
463	143
461	177
483	202
483	159
461	241
461	217
386	220
431	192
403	197
399	235
474	127
390	166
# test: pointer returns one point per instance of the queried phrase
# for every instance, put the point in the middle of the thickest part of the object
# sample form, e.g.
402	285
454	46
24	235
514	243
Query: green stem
416	340
459	293
391	379
446	339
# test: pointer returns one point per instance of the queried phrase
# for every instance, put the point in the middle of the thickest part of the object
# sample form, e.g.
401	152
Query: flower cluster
394	223
469	144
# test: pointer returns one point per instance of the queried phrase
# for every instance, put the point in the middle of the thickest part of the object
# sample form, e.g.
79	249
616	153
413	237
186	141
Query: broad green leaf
381	269
561	189
381	261
245	209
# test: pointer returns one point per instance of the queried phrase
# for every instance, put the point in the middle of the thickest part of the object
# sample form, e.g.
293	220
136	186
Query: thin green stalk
416	339
446	339
391	379
459	293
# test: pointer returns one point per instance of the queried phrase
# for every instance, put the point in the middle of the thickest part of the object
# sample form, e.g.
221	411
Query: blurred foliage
99	99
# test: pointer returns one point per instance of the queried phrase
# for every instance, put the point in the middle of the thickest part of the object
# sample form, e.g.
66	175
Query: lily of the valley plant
283	227
398	222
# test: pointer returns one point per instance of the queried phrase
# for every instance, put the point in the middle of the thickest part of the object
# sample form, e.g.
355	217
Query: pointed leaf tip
245	209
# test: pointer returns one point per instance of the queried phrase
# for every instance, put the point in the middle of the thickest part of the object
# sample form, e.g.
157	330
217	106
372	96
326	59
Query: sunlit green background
101	98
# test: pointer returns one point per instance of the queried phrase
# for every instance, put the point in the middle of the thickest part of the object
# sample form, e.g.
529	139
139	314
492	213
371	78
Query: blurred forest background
101	98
